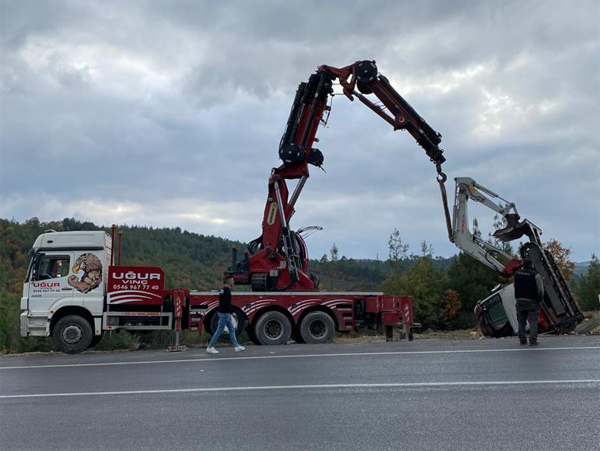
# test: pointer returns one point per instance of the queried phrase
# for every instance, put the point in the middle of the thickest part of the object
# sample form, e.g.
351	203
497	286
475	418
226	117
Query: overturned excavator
497	314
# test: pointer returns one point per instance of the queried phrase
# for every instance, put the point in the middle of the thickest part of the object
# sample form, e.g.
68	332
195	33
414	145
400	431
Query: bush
117	340
462	321
10	336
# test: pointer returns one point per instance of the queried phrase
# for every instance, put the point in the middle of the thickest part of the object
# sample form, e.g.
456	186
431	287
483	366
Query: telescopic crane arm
278	259
396	111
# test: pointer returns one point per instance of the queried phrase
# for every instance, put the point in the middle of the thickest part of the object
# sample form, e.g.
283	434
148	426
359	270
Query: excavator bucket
513	229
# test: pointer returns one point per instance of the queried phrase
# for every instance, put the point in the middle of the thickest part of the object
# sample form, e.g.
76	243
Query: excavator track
558	297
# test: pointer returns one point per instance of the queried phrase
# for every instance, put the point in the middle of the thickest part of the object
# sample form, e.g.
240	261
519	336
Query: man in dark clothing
529	292
225	313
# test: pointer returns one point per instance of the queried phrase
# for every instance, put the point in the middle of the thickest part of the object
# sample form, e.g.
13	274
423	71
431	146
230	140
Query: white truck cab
66	276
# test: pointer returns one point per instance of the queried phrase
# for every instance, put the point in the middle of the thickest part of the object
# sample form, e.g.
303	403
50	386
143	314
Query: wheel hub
317	329
273	329
72	334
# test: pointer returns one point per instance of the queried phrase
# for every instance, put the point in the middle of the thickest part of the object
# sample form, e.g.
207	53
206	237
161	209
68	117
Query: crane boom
278	259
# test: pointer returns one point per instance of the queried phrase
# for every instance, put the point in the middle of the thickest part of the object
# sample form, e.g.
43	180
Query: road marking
299	356
296	387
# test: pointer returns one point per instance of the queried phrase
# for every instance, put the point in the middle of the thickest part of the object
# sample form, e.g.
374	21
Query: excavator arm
472	244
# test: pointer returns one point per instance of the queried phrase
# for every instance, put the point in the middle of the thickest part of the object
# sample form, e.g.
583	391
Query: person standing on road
529	291
225	313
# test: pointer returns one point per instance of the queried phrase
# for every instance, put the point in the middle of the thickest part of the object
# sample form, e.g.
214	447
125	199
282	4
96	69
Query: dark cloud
170	113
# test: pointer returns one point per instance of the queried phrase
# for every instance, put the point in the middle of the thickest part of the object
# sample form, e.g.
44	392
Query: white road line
299	356
296	387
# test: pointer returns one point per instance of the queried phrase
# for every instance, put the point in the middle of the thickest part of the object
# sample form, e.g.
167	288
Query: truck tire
72	334
273	328
239	328
317	327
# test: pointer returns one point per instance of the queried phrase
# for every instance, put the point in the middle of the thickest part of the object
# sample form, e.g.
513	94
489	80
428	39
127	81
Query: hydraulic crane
278	260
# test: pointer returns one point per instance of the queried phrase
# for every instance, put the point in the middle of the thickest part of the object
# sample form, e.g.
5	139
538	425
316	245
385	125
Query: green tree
472	280
334	253
397	251
588	288
426	249
426	285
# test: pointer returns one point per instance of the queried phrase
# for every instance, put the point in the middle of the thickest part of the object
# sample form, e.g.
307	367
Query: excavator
496	314
278	259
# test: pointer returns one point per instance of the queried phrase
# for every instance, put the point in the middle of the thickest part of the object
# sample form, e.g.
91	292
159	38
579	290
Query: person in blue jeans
225	313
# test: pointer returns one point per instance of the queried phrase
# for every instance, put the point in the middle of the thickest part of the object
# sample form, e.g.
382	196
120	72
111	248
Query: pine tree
334	253
588	288
426	285
397	251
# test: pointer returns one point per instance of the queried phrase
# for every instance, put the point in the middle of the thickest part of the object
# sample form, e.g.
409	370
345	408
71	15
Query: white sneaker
239	348
212	351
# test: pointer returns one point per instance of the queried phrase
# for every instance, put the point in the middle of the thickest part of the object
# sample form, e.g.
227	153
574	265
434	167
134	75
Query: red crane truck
73	292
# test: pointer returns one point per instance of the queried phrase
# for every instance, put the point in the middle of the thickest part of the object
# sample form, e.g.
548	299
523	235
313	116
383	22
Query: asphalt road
421	395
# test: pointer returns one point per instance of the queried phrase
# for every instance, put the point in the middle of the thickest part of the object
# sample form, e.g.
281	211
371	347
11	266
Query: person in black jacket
529	292
225	313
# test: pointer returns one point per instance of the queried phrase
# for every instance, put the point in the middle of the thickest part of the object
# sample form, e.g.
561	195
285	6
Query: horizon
311	256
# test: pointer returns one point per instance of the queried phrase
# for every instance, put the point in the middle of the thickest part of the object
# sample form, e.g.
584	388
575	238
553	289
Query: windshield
496	312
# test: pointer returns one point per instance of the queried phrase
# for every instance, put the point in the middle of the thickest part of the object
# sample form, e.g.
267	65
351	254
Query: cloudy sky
169	113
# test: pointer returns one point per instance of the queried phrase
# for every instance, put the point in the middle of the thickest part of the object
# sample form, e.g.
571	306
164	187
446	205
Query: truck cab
66	276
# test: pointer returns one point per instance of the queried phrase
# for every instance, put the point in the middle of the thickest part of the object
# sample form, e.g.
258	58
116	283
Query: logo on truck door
92	273
140	285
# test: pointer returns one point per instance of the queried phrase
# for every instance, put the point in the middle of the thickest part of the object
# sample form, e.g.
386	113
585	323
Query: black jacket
225	301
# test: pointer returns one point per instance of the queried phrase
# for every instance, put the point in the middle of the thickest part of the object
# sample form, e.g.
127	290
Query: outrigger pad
513	229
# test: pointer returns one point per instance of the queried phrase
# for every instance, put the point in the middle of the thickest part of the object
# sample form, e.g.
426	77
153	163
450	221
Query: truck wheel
273	328
317	327
72	334
240	325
